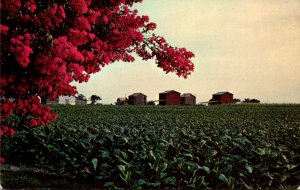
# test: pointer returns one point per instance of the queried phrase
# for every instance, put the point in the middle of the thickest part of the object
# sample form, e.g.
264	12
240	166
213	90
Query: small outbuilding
221	98
79	101
137	99
187	99
170	97
67	100
52	101
122	101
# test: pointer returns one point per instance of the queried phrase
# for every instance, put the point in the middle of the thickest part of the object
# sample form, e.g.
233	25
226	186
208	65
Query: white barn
68	100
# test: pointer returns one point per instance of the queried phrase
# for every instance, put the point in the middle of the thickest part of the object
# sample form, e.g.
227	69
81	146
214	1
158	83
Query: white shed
67	100
71	100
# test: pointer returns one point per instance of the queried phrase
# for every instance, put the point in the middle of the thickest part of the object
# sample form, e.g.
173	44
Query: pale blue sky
250	48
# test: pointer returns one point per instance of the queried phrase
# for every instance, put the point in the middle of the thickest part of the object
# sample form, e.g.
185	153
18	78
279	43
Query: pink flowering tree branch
45	45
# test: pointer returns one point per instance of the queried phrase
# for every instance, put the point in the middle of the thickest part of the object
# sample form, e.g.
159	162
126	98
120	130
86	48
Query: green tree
236	100
94	99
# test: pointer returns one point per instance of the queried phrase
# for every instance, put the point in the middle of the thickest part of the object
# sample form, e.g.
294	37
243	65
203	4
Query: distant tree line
94	98
246	100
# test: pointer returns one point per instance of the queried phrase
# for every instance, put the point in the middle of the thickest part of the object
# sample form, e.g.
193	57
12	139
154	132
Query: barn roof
122	99
186	94
76	97
137	94
168	91
221	93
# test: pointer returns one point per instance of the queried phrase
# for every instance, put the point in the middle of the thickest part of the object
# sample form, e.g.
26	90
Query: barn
52	101
122	101
68	100
187	99
137	99
79	101
71	100
170	97
221	98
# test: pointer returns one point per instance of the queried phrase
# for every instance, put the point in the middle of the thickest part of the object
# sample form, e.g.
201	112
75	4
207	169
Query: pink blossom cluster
7	131
65	50
3	29
39	115
80	6
31	6
20	46
11	5
7	108
57	77
77	37
52	17
172	59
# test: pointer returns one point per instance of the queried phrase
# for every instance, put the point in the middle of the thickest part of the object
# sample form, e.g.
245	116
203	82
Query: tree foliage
248	100
46	45
94	98
236	100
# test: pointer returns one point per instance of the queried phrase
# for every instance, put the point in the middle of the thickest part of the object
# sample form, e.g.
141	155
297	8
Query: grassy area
238	146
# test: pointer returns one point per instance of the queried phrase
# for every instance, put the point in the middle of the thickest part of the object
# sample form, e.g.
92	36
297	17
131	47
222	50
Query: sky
250	48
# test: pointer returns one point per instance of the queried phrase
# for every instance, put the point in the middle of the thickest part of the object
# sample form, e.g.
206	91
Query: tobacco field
238	146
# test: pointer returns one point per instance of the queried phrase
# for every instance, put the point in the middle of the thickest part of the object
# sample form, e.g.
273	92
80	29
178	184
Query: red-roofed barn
137	99
170	97
221	98
187	99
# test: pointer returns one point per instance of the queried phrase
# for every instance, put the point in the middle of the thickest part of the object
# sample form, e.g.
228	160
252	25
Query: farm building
187	99
221	98
52	101
69	100
170	97
137	99
122	101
